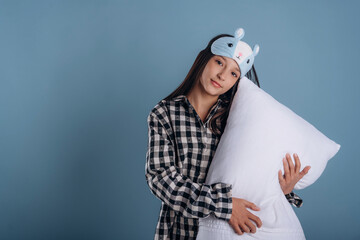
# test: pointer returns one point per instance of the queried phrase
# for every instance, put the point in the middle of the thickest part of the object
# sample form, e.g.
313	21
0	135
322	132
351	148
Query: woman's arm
291	177
166	182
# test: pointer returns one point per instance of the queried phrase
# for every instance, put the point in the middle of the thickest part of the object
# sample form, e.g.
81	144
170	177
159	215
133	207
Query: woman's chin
213	92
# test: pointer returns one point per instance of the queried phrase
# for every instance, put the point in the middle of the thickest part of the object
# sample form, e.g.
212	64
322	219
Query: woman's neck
201	101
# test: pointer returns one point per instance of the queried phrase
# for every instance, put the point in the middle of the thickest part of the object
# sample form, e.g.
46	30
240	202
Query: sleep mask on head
238	50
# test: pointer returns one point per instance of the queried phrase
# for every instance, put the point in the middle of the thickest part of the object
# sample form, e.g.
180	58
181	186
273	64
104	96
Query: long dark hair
218	121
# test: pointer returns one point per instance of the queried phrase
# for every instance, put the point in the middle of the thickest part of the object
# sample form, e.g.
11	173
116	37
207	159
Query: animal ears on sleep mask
238	50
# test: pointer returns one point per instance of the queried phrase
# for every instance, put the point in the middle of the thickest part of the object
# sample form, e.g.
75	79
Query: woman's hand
292	174
240	217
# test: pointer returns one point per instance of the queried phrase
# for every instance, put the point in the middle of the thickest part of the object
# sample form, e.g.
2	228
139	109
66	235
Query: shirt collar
183	98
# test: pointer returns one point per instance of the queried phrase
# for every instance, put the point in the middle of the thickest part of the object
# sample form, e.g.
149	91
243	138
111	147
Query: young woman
184	129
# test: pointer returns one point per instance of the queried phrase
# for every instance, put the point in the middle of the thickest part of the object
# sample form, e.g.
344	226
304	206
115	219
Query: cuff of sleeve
223	202
294	199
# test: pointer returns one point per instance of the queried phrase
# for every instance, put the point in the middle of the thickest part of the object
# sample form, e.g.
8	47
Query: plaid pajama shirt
180	149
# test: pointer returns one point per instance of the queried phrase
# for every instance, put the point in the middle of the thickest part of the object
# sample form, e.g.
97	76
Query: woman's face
219	75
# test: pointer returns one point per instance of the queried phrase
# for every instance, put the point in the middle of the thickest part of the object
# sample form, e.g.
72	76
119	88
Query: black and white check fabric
180	149
294	199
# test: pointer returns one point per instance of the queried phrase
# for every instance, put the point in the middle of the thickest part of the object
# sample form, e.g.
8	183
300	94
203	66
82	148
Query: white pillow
258	134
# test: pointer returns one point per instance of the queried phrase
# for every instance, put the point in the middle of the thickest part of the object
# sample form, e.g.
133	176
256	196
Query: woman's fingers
242	220
281	177
291	164
244	228
286	169
256	219
297	163
237	229
251	205
304	171
251	227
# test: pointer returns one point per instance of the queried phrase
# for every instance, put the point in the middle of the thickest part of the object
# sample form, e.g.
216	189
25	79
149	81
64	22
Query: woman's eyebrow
223	58
225	61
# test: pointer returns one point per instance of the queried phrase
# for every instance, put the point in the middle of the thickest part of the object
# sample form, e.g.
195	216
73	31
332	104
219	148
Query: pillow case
258	134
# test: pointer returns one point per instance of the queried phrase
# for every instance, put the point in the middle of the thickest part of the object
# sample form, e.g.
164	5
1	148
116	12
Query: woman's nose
221	76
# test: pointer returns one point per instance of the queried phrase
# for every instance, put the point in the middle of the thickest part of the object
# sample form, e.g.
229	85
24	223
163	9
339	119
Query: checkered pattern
180	149
294	199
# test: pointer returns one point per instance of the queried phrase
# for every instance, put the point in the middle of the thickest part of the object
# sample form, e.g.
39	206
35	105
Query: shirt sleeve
294	199
191	199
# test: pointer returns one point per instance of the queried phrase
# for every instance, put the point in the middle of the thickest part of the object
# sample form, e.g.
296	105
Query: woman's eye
218	61
234	74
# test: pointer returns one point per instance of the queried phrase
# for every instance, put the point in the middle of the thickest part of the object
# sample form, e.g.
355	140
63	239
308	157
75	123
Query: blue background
78	79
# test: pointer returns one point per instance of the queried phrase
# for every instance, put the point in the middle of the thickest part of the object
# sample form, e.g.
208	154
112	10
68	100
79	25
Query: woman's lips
215	84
